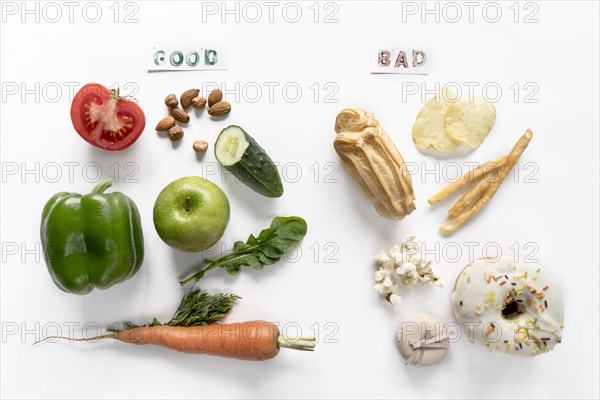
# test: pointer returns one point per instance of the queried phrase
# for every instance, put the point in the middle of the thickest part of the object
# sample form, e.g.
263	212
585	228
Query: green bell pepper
91	240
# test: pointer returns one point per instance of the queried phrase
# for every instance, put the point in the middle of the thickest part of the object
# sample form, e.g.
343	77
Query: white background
558	54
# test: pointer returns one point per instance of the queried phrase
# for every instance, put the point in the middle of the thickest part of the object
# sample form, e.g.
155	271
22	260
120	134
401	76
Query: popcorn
380	289
394	299
403	264
382	257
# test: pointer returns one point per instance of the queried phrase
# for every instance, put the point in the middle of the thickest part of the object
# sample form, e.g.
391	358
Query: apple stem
187	204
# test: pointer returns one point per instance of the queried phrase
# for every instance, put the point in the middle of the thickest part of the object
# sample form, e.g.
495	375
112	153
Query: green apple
191	214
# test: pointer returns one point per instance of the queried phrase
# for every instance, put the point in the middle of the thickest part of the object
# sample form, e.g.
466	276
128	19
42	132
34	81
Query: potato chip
428	129
470	121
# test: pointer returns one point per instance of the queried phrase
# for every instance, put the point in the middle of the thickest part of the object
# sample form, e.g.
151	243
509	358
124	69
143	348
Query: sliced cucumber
247	161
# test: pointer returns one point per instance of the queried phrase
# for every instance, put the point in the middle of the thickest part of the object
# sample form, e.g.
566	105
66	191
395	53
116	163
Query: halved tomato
106	120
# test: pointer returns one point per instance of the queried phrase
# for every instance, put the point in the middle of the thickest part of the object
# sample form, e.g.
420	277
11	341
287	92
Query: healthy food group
96	240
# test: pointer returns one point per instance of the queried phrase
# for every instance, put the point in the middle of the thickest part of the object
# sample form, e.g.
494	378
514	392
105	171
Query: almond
220	108
165	124
214	97
187	96
180	115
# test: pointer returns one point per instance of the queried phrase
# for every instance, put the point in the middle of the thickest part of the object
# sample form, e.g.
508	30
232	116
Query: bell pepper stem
102	186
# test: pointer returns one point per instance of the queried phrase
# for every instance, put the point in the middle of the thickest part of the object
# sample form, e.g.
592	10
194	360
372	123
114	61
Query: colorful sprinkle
545	288
502	283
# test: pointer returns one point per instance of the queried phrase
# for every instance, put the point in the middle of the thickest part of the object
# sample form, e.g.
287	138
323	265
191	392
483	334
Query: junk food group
96	240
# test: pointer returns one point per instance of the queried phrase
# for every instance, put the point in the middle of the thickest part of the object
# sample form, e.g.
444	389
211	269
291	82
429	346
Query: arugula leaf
265	249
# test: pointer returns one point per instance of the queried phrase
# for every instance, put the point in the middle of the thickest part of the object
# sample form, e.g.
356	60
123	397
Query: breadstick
470	197
512	158
485	168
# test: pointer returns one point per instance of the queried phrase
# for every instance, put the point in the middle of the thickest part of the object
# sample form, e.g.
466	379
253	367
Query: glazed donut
516	308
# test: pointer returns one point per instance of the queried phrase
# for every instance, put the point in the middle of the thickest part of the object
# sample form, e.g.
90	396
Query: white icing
478	301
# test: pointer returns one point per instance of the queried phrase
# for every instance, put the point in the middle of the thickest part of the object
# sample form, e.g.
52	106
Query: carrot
191	330
252	340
